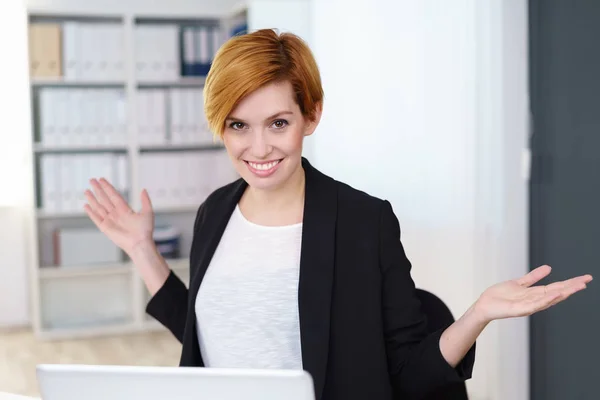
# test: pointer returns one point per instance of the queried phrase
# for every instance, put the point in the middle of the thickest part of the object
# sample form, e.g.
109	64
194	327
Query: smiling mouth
263	166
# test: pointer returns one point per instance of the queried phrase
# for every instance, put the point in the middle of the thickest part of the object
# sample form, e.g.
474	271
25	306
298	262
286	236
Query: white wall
15	186
14	302
426	105
284	15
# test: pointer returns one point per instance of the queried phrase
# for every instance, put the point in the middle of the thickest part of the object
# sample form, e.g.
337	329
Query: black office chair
439	316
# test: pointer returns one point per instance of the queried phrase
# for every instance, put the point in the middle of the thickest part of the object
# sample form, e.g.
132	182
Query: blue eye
280	123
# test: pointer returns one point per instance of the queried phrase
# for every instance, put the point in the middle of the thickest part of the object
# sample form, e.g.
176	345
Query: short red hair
247	62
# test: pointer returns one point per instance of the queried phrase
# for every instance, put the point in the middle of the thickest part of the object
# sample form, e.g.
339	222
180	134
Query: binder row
77	51
175	179
81	117
174	116
45	57
94	51
157	52
188	123
199	46
81	247
89	117
239	29
65	177
167	52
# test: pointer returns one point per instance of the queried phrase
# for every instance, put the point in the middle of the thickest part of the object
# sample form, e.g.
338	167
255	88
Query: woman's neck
276	207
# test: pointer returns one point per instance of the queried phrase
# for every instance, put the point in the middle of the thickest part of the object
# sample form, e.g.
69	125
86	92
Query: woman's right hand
114	217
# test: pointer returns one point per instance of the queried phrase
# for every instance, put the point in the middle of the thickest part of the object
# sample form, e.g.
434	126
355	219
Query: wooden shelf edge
60	81
88	332
51	272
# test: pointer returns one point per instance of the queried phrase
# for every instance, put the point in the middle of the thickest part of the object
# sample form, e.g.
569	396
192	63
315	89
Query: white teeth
263	167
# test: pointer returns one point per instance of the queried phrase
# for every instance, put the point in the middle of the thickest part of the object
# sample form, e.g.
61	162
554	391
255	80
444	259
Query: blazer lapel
317	259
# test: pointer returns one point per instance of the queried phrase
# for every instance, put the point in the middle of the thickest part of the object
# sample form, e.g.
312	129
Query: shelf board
152	325
50	14
41	148
42	214
176	209
191	81
177	16
108	329
181	147
51	272
60	82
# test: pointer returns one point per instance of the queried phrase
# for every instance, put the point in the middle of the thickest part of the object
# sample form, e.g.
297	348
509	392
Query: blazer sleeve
417	366
169	305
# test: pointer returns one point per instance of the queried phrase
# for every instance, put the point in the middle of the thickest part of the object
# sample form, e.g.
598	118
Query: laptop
101	382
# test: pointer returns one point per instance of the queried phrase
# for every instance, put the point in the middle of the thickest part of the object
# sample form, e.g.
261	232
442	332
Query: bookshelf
117	95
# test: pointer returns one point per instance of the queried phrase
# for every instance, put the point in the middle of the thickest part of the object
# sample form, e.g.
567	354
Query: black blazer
363	333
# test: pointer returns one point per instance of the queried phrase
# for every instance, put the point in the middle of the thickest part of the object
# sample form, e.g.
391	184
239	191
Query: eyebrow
278	114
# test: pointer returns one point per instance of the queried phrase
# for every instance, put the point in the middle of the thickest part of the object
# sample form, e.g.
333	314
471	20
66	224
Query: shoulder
352	204
350	194
364	209
344	192
354	199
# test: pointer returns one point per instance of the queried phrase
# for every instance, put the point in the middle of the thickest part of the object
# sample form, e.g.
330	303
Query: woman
291	269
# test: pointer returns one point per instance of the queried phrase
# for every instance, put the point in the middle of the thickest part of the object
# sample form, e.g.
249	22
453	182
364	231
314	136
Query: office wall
284	15
426	106
14	306
14	165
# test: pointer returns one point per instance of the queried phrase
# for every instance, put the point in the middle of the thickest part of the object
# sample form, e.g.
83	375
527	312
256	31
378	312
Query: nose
260	148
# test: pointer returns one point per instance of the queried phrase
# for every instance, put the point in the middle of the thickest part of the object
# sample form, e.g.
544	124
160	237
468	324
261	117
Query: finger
102	196
558	296
146	202
95	205
584	279
115	197
573	288
565	294
534	276
94	216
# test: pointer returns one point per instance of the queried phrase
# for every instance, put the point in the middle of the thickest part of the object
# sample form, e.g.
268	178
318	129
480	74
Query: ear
312	124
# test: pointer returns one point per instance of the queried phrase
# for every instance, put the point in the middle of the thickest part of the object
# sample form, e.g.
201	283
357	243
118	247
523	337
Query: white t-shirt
247	304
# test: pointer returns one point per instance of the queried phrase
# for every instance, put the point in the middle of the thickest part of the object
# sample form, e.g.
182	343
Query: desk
10	396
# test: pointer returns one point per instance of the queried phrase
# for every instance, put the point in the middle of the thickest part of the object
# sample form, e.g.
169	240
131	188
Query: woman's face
264	136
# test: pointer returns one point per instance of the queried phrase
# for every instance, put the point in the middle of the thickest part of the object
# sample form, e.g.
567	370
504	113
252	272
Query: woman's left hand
518	297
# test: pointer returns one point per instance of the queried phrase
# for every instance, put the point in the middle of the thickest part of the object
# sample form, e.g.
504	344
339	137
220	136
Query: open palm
115	218
518	297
